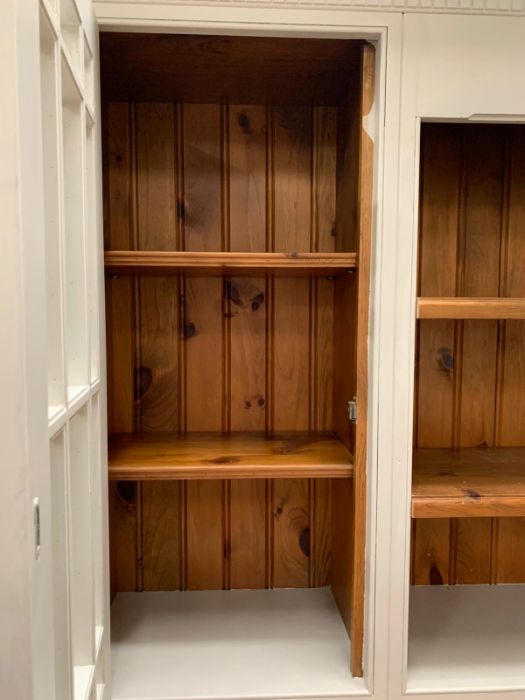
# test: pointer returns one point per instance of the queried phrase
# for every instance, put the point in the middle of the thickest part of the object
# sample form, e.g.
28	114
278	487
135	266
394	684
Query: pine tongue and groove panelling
471	374
201	354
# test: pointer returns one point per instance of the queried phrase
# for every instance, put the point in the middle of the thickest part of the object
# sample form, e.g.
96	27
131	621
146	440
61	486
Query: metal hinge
36	524
352	410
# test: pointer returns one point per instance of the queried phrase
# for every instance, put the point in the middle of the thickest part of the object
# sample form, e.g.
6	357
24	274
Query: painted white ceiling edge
484	7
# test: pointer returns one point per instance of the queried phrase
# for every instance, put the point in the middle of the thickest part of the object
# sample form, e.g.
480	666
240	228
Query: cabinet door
62	278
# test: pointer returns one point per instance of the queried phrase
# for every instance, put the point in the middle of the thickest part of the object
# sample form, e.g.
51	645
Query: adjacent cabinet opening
468	497
238	198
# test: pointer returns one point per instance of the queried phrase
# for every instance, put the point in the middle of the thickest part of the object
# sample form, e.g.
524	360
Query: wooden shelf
468	482
165	456
471	308
171	262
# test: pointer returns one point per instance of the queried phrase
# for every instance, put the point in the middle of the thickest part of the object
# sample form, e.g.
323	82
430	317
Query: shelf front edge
491	308
167	262
455	507
167	473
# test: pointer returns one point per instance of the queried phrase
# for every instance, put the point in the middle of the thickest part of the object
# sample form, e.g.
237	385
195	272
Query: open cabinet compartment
468	490
238	189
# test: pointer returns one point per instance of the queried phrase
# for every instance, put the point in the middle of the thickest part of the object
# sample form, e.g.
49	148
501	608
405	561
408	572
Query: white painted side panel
466	67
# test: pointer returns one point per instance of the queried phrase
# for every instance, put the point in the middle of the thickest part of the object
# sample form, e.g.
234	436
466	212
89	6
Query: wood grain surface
470	381
163	456
468	482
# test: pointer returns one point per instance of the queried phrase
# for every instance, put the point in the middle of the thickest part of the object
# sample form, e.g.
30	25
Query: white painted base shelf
466	638
230	644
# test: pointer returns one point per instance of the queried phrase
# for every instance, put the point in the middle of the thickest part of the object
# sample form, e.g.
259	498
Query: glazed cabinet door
70	368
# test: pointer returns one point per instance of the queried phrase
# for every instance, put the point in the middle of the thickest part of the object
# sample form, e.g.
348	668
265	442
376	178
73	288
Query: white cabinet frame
467	68
385	31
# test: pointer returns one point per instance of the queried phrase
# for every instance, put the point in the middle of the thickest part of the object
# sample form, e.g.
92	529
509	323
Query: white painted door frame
384	30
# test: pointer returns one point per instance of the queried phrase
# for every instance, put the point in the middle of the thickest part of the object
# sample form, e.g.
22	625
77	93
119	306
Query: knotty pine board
213	354
470	376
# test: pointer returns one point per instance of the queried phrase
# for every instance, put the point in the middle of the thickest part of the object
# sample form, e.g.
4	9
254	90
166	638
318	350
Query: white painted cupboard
448	184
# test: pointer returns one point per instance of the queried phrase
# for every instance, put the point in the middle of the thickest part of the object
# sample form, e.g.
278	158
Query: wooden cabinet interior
239	166
469	462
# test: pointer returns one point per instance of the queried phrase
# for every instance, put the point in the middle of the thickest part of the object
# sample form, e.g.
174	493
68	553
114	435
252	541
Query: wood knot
244	122
304	541
257	300
279	510
188	330
434	577
232	293
247	404
470	493
446	360
126	492
143	381
223	460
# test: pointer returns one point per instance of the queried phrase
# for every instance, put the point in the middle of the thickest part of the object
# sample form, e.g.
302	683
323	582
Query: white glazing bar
54	283
80	543
92	251
77	359
59	489
96	509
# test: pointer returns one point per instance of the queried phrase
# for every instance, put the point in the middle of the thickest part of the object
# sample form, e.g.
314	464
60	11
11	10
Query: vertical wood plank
247	297
120	354
322	362
202	216
290	352
342	541
291	534
119	292
157	389
157	376
472	555
202	206
324	178
156	186
292	177
430	558
510	563
117	162
510	419
123	527
161	535
292	194
320	532
205	553
248	533
441	156
247	310
247	177
480	277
